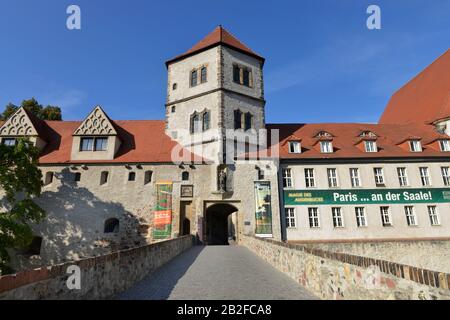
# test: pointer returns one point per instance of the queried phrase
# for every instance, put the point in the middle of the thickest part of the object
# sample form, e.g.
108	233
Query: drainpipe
281	204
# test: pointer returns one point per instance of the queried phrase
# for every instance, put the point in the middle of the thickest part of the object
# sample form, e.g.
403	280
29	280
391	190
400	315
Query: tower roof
426	98
218	36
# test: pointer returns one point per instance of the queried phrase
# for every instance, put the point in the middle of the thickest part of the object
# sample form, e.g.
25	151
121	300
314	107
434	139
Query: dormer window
295	147
370	146
326	146
93	144
445	145
415	146
9	142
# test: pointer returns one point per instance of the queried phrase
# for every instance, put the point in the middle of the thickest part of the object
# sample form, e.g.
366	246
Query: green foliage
31	105
20	182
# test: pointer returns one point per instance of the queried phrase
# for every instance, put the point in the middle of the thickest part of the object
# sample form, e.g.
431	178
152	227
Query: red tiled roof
142	141
346	140
218	36
424	99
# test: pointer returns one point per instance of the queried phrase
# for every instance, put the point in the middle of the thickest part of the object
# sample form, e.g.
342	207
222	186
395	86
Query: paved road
217	272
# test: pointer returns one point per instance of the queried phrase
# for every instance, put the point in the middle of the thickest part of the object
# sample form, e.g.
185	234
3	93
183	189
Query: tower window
48	178
194	77
132	176
248	121
206	121
77	176
195	123
111	225
104	177
203	75
237	119
242	75
173	109
185	176
174	86
148	176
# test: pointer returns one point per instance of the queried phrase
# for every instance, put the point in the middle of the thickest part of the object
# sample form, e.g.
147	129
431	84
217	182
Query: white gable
96	123
19	124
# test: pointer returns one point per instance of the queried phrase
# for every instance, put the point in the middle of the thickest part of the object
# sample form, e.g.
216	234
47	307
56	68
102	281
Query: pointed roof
424	99
21	123
96	123
218	36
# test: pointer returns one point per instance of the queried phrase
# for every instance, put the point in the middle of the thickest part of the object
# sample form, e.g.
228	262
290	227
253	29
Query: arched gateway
220	224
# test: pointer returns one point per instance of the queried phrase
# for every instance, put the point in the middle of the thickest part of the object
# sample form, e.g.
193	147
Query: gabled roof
96	123
218	36
21	123
346	139
424	99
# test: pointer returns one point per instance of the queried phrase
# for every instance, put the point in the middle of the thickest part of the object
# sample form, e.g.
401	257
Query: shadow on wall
159	284
74	227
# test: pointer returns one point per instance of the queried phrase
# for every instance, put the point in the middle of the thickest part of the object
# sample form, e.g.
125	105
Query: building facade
215	169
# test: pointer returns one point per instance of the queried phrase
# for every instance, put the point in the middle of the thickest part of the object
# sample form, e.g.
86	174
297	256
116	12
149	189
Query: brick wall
101	277
333	275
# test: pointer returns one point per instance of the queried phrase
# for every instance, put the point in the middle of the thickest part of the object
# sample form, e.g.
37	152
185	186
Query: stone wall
430	254
332	275
102	277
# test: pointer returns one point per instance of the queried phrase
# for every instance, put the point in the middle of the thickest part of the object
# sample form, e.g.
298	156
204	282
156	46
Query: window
193	78
410	216
48	178
445	145
242	75
338	220
260	174
385	216
248	121
131	176
174	86
148	176
206	118
9	142
332	178
361	220
290	217
174	108
309	178
195	123
425	176
354	177
434	216
294	147
237	119
415	146
287	178
446	175
402	177
94	144
185	176
111	225
77	176
203	75
379	176
104	177
371	146
326	147
313	214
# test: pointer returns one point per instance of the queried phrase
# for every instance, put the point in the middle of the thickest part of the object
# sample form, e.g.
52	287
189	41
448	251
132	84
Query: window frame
403	179
287	177
290	217
354	178
445	172
324	149
193	76
331	178
294	146
93	145
5	139
374	145
361	217
338	219
434	216
410	216
425	178
314	217
386	218
310	179
203	75
378	174
444	145
415	143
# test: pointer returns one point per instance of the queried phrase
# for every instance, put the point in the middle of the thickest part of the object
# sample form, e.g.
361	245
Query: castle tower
214	89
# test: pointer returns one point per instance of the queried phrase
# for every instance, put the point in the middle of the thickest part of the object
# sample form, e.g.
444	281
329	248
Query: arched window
174	86
185	176
206	120
237	119
111	225
248	121
195	123
174	108
193	78
203	75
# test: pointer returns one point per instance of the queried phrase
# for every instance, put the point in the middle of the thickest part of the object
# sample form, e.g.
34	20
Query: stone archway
219	225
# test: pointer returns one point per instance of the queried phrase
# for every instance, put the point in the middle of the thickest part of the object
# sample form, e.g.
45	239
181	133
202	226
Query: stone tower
215	96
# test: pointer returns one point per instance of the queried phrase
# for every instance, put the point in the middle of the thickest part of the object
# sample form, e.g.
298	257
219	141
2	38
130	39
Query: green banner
162	220
263	208
365	196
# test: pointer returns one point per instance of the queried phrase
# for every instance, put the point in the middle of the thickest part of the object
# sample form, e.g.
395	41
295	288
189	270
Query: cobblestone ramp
217	272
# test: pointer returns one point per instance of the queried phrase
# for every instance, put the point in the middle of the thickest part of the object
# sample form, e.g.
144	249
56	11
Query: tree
33	106
20	182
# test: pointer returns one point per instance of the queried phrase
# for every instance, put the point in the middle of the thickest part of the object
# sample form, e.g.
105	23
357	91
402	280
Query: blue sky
322	63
